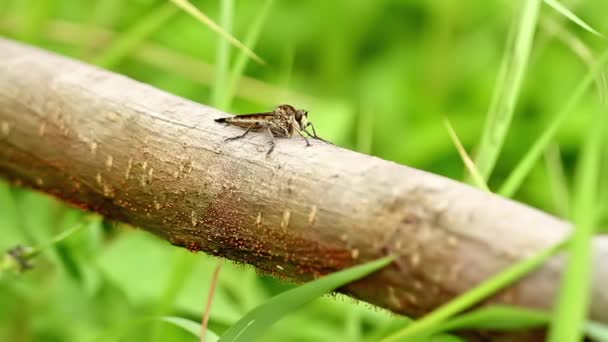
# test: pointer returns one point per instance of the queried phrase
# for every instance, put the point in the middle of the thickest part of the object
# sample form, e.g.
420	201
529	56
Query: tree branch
136	154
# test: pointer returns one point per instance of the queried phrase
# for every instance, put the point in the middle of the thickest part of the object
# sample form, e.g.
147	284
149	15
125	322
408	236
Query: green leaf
556	5
190	326
260	319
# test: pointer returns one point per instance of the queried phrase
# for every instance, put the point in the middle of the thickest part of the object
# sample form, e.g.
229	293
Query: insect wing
246	120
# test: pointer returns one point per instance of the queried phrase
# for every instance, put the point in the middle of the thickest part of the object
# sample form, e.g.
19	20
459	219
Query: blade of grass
119	332
38	15
556	5
190	326
498	317
222	57
253	35
176	280
469	164
102	14
138	32
509	318
573	299
597	332
558	181
287	70
210	296
577	46
427	325
502	107
603	208
200	16
258	320
365	129
524	166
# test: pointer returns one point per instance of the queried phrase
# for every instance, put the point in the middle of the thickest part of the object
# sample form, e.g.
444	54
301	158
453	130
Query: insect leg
271	142
314	133
302	135
254	125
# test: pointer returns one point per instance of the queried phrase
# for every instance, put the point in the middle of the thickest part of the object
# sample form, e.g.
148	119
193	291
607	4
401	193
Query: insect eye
298	116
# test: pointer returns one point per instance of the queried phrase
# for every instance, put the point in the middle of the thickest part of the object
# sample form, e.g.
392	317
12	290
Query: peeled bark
135	154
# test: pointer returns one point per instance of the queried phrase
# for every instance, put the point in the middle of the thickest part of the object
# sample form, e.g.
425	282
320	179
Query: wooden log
136	154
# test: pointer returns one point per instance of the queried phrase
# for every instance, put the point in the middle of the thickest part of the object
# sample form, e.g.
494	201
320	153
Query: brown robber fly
284	121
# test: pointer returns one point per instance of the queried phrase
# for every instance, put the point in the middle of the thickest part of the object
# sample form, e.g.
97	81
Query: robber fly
284	121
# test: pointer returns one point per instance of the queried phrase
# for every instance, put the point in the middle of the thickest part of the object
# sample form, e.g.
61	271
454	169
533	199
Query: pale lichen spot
193	219
108	191
144	165
344	237
128	170
112	116
452	241
157	205
354	253
258	220
392	296
42	129
454	272
286	218
398	245
280	267
437	276
39	181
150	175
109	161
411	298
415	259
188	166
65	130
417	285
5	128
93	147
312	216
77	185
181	169
98	178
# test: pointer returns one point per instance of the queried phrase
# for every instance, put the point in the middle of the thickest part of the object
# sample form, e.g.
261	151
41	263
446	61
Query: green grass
258	321
506	92
528	161
138	32
574	297
222	57
430	324
374	78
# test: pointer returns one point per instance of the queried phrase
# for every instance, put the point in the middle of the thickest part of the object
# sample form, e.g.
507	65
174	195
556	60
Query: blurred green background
377	77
